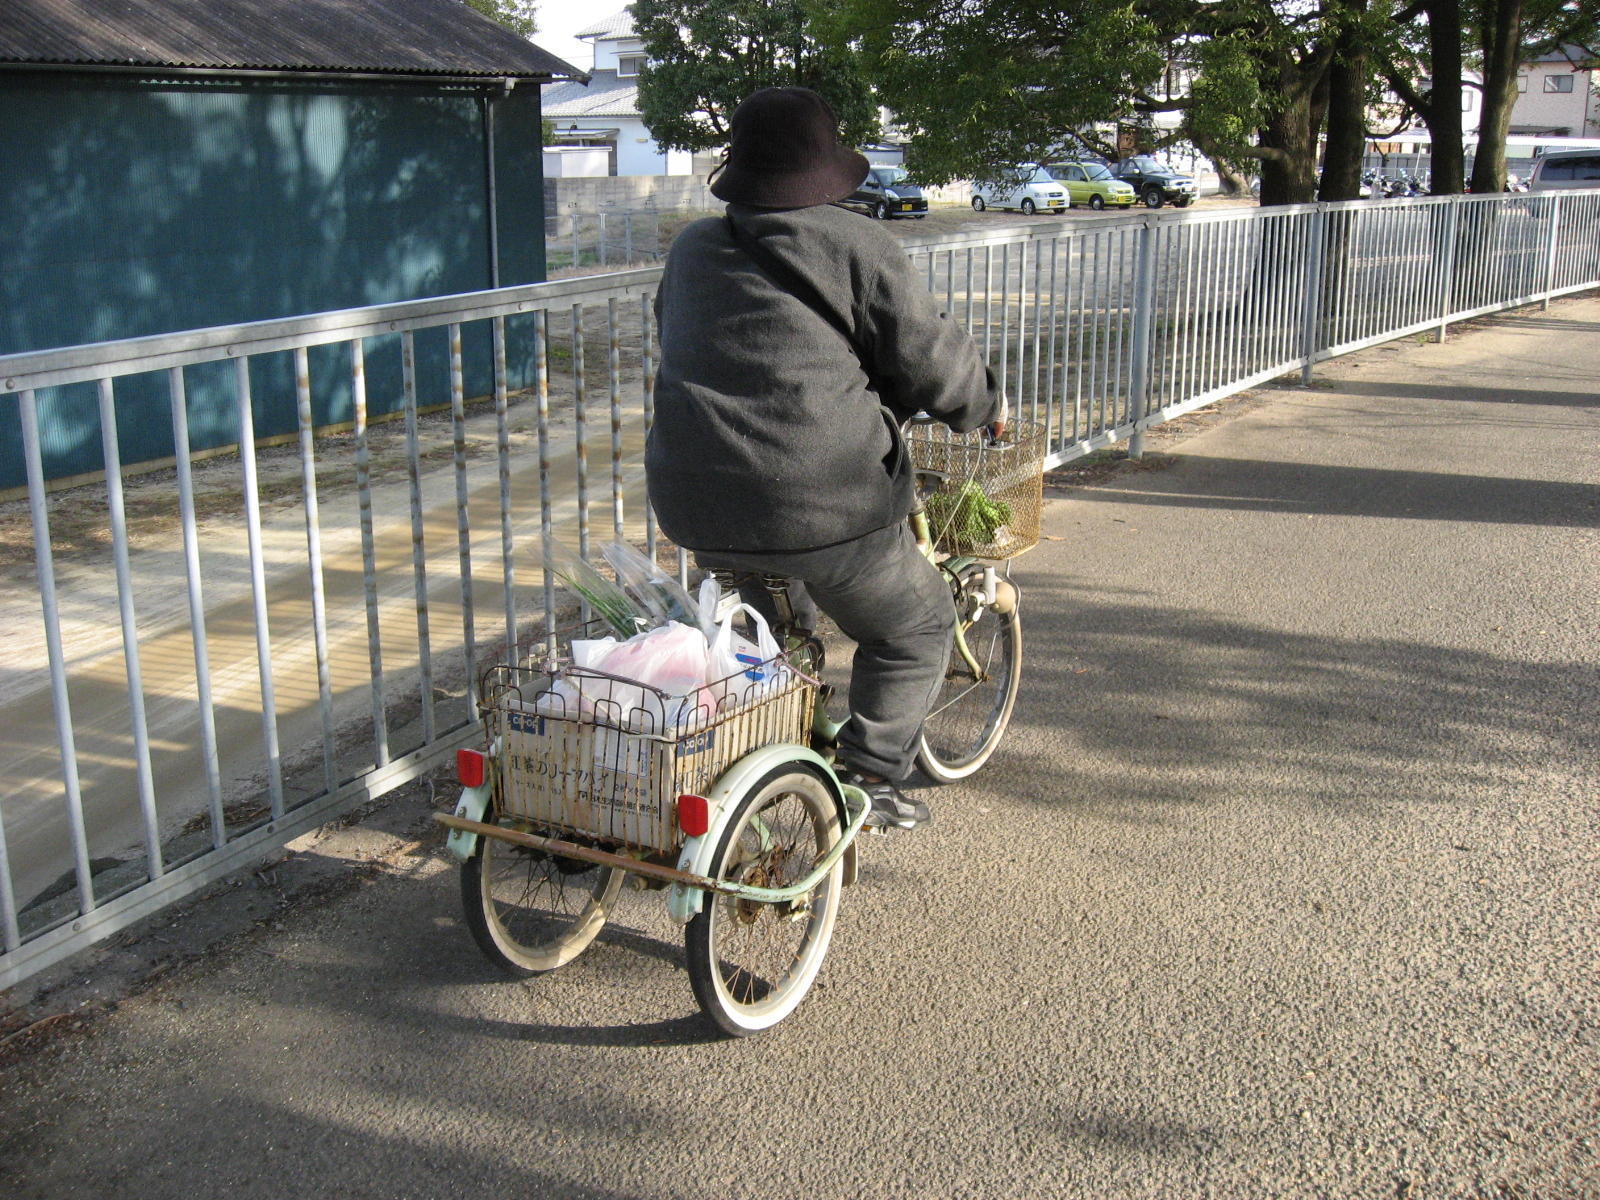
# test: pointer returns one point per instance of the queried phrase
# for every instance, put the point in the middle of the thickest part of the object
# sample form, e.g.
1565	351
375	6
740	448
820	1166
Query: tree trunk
1502	45
1347	129
1448	166
1234	182
1290	176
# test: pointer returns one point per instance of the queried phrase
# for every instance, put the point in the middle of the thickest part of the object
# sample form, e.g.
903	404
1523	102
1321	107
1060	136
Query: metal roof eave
503	79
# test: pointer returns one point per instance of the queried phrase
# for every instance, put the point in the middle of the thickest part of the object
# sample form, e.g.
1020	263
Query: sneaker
891	808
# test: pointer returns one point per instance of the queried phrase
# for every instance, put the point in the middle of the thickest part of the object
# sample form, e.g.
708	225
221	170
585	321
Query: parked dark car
887	192
1155	182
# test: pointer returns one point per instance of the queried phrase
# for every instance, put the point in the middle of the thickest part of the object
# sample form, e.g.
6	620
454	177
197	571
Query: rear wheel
530	911
977	204
972	709
750	963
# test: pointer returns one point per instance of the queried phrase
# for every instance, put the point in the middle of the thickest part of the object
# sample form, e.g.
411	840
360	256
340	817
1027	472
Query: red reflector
694	815
471	767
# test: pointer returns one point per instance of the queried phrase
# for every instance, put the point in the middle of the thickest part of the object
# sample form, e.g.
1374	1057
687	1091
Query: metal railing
578	240
303	627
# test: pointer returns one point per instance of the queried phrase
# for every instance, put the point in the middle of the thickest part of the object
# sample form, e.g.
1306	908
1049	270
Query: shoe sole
907	823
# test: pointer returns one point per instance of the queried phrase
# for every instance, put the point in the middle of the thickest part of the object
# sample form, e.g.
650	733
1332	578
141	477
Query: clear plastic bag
654	591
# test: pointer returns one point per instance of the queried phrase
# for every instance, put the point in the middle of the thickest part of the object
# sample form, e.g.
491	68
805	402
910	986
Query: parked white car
1028	188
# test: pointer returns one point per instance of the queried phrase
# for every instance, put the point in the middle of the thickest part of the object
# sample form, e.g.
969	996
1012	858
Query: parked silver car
1561	169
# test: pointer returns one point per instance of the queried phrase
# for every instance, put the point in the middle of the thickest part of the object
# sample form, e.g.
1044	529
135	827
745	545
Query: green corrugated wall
130	208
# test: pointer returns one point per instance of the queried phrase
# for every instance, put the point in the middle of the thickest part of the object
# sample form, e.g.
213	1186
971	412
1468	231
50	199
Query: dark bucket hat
785	153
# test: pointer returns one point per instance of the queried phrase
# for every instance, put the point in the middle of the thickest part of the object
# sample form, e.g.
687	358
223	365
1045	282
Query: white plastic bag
710	596
671	660
742	670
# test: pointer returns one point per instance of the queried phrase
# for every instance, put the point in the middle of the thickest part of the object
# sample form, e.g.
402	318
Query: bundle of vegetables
610	603
967	516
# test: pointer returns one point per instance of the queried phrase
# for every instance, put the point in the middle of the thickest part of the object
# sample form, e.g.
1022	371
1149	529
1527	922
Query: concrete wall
668	193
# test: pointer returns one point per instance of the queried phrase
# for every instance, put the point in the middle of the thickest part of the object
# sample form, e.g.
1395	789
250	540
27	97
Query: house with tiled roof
605	112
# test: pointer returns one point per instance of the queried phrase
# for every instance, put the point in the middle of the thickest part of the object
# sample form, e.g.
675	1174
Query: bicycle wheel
751	964
971	710
530	911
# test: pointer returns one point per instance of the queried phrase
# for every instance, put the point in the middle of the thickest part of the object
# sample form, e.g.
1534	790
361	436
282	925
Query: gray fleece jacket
776	425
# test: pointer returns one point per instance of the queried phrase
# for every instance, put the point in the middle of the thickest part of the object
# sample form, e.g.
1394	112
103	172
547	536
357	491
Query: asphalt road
1284	885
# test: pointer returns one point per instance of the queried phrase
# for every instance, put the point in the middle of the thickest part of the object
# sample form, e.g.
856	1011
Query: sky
559	19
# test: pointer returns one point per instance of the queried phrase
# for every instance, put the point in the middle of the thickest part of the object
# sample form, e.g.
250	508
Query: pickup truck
1155	182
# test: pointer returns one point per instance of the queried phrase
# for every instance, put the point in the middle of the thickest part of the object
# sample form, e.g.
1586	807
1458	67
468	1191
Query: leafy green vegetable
607	600
967	516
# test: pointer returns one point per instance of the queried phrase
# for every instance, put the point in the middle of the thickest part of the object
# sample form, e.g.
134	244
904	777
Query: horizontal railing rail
300	626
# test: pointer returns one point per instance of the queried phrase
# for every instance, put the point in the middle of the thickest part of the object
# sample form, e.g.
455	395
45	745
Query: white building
605	112
1558	95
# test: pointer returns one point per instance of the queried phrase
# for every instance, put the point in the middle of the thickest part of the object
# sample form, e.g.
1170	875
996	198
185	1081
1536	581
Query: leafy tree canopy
978	86
516	15
704	56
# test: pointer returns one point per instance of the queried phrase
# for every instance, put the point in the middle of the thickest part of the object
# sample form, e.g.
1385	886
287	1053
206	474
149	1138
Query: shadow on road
1446	394
1163	704
1365	492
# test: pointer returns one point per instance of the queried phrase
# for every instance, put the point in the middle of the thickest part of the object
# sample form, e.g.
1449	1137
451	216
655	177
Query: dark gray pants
896	606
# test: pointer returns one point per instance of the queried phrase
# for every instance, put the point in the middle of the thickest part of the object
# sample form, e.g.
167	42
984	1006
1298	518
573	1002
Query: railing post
1550	257
1312	312
1447	266
1144	304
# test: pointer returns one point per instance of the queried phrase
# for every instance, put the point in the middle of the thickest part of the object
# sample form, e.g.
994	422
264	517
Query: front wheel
1097	202
972	708
1028	208
530	911
1153	198
880	211
751	964
977	204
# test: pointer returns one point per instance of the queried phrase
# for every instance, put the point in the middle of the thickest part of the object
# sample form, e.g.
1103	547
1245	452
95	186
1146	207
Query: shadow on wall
143	208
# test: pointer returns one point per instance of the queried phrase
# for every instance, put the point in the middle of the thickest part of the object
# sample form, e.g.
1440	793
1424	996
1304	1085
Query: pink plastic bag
671	660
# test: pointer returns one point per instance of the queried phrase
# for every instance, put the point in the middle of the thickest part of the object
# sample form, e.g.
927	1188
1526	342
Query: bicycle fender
474	803
685	902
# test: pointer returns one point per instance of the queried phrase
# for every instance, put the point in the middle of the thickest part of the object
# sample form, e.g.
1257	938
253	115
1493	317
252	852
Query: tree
1509	33
981	86
702	58
519	16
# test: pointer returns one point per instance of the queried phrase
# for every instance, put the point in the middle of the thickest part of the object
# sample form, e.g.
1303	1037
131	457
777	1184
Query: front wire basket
989	503
591	755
